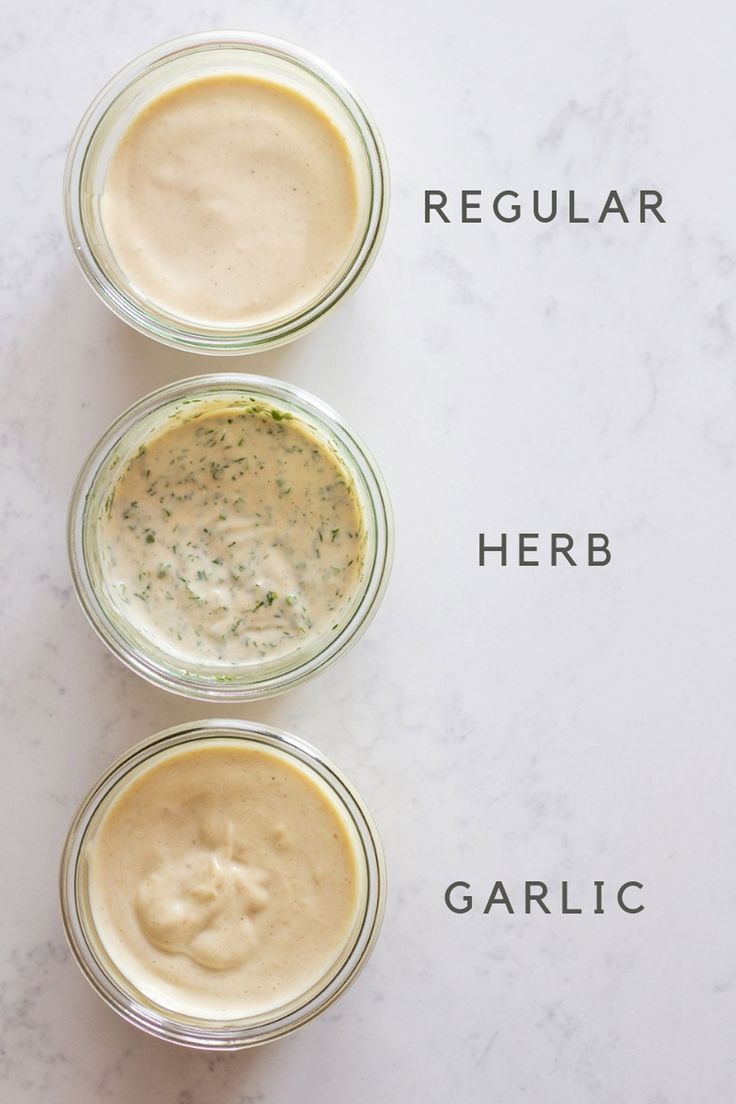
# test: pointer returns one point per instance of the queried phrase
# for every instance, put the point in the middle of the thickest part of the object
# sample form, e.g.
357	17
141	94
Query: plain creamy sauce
232	536
230	200
223	880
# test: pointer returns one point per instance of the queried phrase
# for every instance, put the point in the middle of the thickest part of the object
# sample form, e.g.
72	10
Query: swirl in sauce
223	879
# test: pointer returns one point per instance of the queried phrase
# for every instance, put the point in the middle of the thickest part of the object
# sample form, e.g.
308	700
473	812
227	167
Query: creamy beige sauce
230	201
233	536
223	880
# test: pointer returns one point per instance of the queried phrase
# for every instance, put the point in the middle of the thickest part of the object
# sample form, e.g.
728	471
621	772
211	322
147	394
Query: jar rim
198	686
251	1031
246	340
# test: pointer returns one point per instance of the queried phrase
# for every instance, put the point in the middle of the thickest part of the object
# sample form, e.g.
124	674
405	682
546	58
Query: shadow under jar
224	191
229	537
222	884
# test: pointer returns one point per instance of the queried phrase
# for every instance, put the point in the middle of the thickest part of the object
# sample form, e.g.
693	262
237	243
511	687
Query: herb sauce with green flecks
233	535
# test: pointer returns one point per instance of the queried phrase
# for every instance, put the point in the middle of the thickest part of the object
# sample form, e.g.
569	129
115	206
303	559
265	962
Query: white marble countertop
501	723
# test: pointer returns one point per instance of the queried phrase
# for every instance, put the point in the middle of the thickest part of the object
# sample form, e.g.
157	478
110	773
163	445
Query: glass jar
146	78
185	674
119	991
